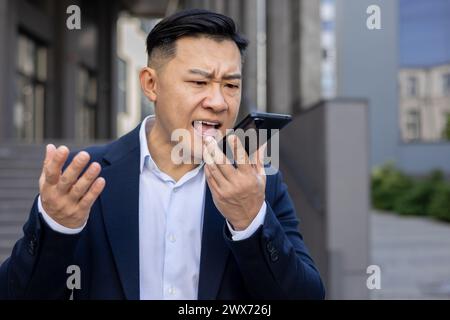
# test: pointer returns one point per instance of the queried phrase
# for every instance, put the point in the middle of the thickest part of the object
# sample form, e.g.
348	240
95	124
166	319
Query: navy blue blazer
273	263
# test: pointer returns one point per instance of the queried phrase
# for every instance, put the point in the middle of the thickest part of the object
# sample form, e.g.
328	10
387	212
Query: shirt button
274	256
270	248
32	245
172	238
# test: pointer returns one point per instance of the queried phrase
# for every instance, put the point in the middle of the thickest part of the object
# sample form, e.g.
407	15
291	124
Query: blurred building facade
424	54
132	105
58	83
328	17
424	102
383	65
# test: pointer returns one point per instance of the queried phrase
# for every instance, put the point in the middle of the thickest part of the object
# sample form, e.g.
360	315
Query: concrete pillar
193	4
279	56
8	31
310	55
324	158
218	6
234	11
3	64
367	66
348	195
66	54
60	109
296	54
107	73
250	29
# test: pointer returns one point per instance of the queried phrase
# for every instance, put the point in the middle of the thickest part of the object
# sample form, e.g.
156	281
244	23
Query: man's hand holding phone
238	191
65	196
238	188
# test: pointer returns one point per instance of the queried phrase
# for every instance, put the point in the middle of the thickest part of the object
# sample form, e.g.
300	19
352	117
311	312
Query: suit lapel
120	204
214	251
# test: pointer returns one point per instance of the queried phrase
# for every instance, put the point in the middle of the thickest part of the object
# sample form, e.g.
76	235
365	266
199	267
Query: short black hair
191	22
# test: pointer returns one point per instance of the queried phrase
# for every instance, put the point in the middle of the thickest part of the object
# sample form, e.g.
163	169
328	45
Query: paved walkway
414	256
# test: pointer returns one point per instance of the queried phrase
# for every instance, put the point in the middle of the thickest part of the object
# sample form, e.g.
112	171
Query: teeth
205	128
208	123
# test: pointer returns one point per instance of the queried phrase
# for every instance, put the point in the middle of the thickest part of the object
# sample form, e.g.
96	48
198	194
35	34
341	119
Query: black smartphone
262	123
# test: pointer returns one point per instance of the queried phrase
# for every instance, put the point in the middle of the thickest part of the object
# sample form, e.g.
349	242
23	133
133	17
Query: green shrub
392	190
388	185
440	202
446	132
417	200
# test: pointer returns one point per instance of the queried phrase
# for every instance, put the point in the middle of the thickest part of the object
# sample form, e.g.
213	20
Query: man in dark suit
133	222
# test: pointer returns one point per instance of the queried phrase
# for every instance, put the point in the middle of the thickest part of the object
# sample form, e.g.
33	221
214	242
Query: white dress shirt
170	227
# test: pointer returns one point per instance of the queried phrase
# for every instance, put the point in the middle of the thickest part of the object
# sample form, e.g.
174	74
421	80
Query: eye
199	83
232	86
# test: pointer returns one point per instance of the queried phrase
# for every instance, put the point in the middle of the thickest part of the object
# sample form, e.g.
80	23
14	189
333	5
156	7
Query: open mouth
206	128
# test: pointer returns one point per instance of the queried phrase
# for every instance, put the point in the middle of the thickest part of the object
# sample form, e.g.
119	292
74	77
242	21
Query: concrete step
17	183
8	147
3	257
13	209
10	231
18	189
16	216
37	151
14	219
15	205
21	194
22	151
19	173
8	244
16	211
20	163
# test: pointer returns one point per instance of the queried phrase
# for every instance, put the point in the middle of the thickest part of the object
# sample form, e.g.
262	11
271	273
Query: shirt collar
145	154
146	158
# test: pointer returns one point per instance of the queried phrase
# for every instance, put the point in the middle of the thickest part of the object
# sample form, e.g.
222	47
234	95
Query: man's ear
148	79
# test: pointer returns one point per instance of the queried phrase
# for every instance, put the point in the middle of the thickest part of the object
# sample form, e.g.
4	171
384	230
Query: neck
160	148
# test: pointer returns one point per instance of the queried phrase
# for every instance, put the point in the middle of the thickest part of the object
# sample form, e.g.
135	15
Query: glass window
26	56
328	43
412	86
446	84
446	131
29	108
413	125
86	104
122	86
41	64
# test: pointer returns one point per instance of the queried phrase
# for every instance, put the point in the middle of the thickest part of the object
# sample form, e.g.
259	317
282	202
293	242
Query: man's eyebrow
210	75
232	76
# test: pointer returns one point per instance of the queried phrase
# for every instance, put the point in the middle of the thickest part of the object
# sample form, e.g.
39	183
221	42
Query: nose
215	100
